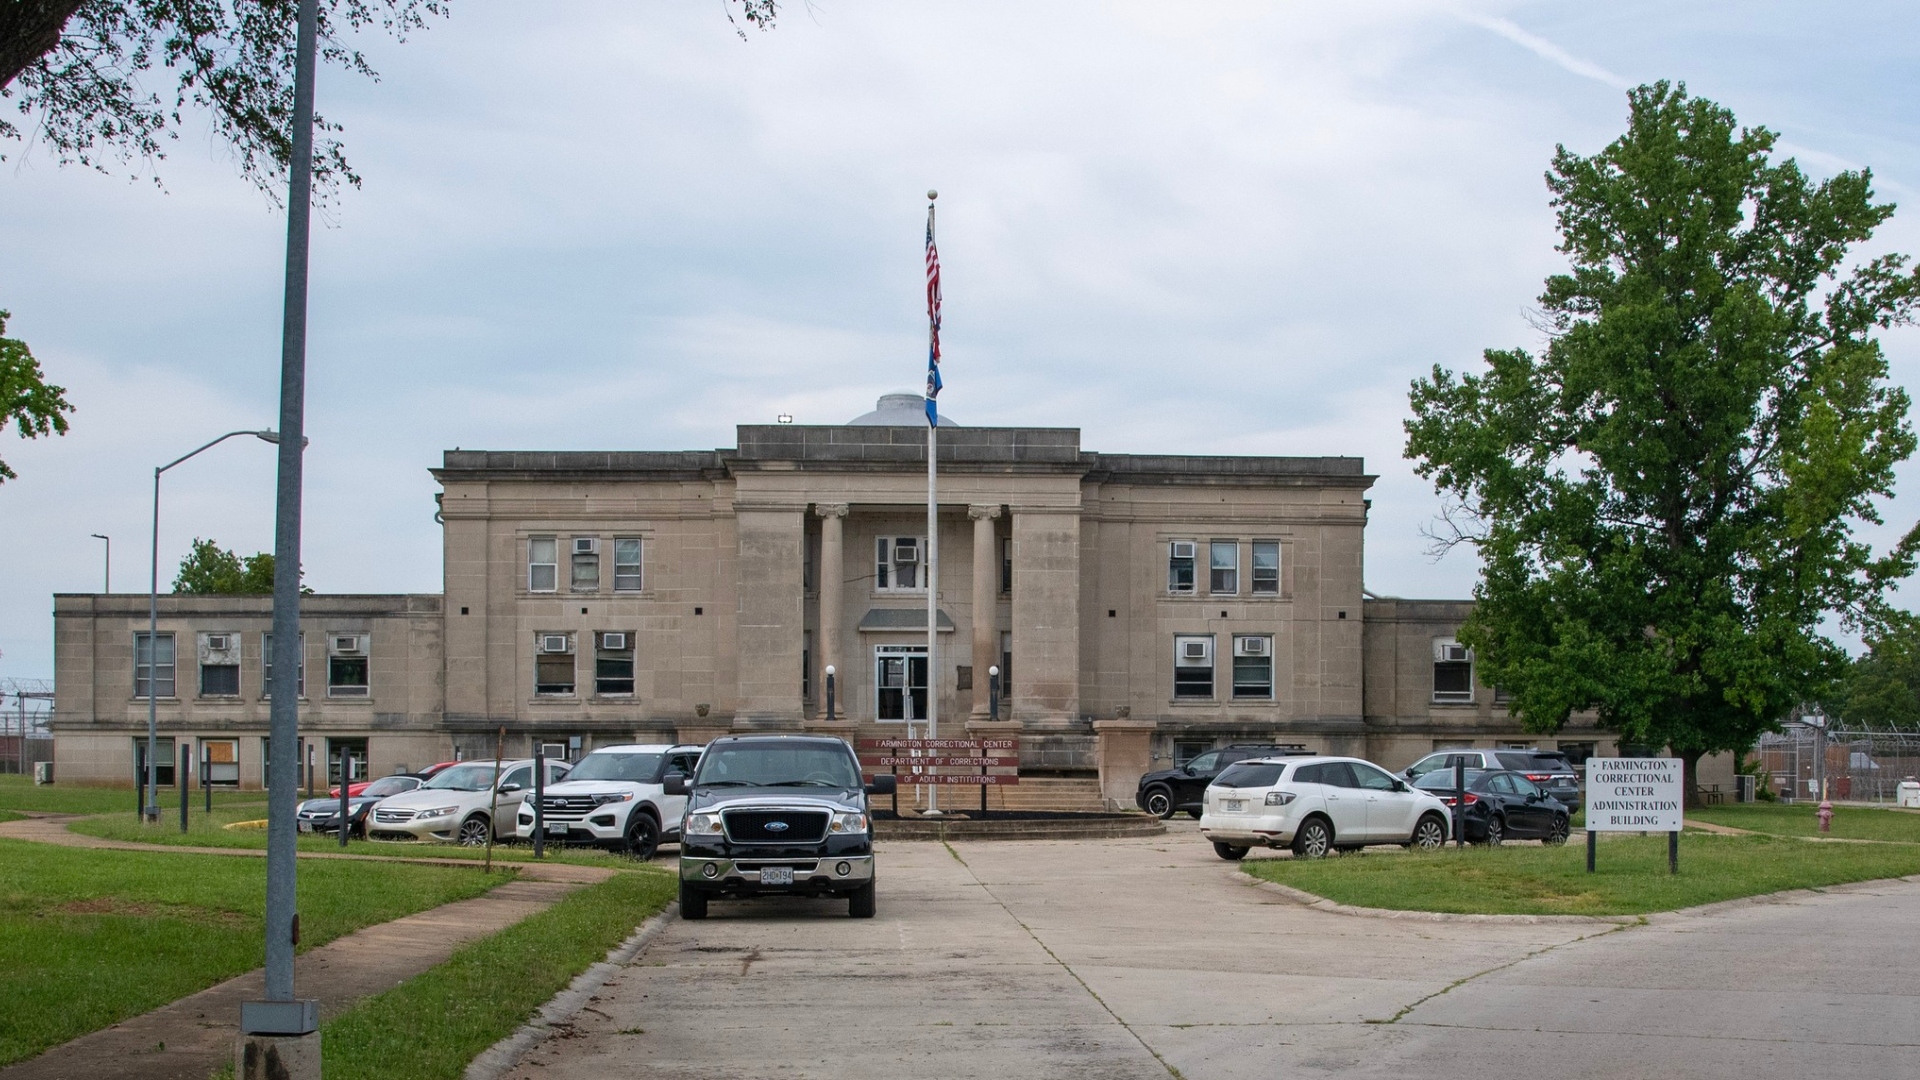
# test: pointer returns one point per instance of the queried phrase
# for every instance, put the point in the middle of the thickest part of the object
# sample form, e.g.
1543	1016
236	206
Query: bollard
1459	802
206	775
1825	814
346	783
540	796
186	766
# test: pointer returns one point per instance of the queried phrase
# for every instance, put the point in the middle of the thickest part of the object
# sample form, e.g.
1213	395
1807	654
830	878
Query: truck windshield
612	765
764	765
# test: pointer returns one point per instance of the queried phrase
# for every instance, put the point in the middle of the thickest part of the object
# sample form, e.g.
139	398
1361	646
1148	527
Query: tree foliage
26	400
1881	690
211	570
79	73
1666	499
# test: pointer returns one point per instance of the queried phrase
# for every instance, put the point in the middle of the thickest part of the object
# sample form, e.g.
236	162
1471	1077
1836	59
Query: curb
1321	903
1784	896
497	1060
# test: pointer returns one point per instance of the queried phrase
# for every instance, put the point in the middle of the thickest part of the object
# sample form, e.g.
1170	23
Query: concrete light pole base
277	1057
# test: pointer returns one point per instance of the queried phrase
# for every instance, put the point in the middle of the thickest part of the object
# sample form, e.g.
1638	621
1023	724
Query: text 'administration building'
595	597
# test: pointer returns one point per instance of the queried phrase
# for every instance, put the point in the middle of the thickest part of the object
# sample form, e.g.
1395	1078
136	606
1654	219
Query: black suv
776	815
1548	768
1166	791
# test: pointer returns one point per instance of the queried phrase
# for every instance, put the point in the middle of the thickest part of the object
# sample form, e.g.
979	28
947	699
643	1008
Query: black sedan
323	815
1502	805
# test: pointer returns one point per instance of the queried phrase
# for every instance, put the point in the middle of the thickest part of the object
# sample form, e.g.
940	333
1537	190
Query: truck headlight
848	823
443	811
703	825
1279	798
602	800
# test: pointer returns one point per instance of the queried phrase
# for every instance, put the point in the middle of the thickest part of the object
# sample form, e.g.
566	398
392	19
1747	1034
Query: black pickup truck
778	815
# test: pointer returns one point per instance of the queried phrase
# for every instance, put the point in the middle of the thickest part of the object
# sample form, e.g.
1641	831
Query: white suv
613	799
1317	805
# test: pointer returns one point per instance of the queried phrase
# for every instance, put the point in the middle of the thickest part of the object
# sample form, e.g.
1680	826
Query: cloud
1544	49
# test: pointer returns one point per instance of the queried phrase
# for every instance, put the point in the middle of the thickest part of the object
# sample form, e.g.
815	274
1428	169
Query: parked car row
1317	805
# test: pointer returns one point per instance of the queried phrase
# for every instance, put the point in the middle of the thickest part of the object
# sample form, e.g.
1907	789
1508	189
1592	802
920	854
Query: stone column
1046	615
831	583
1125	749
770	610
986	605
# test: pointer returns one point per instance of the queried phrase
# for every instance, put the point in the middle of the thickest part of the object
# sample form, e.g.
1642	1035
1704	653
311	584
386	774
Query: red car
354	789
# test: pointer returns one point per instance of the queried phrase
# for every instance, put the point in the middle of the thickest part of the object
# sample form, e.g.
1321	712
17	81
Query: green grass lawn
1849	822
205	832
20	793
9	815
88	938
431	1026
1632	874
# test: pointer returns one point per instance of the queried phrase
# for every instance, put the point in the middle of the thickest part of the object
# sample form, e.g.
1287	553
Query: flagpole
933	496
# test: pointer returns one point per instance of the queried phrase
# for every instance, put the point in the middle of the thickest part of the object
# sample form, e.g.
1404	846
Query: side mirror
1400	785
508	789
674	783
883	784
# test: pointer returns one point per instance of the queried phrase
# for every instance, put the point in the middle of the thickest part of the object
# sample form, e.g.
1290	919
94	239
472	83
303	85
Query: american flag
933	323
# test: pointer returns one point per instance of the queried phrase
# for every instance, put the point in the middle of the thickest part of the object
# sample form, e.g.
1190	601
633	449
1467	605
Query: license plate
306	826
776	875
556	830
1233	805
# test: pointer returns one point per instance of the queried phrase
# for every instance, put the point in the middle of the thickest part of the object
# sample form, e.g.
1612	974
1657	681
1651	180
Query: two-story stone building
608	596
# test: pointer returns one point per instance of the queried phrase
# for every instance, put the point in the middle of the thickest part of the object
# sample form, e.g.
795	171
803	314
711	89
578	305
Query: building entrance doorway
900	675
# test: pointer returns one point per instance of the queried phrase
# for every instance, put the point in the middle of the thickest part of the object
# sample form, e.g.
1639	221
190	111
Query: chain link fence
26	705
1858	765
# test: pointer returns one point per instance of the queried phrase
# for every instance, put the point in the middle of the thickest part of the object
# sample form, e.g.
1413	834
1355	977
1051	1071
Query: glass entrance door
900	674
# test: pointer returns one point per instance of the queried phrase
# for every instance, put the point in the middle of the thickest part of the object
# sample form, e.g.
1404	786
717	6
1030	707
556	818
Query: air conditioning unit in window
906	550
586	545
1250	646
613	641
553	643
219	642
1451	652
1183	549
1195	651
346	645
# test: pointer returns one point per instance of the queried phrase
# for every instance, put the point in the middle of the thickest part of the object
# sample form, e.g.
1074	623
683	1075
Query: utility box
1744	787
43	772
1909	794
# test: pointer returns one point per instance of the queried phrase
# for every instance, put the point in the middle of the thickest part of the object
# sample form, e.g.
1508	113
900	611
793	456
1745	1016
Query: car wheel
643	836
863	902
1313	840
1430	834
474	831
1558	834
693	903
1496	831
1229	852
1160	803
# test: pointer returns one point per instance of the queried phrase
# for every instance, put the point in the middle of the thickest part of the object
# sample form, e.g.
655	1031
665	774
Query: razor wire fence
1858	765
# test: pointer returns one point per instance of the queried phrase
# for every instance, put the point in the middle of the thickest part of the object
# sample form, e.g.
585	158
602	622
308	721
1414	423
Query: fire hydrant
1826	817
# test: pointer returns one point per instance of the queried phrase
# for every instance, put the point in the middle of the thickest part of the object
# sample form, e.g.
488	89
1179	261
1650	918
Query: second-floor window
266	666
586	564
626	564
1252	667
897	562
612	663
347	665
153	665
1193	666
1180	559
1266	567
1223	567
553	664
1452	671
219	665
543	564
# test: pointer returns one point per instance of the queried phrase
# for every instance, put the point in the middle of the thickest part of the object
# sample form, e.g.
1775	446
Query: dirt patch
113	905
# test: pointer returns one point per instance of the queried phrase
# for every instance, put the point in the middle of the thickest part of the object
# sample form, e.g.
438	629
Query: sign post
1636	795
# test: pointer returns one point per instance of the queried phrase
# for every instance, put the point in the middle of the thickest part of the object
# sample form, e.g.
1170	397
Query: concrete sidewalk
192	1037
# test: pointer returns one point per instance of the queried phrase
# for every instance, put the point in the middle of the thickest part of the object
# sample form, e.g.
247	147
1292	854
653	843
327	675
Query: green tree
1665	500
1882	688
26	400
210	569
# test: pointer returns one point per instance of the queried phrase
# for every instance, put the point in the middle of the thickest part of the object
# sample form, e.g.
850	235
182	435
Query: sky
1182	228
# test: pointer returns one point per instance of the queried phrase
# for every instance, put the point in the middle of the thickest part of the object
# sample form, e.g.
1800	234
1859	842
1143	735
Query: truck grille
764	826
567	807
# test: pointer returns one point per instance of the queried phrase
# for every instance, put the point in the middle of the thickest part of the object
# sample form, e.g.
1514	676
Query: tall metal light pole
280	1018
106	575
151	812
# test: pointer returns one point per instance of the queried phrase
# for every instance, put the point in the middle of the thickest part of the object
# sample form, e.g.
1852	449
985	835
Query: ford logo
776	826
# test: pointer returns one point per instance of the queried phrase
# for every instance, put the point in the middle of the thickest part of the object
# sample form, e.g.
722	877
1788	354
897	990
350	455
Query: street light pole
151	812
106	575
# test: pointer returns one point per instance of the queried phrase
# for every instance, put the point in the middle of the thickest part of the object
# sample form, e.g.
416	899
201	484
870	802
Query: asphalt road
1153	959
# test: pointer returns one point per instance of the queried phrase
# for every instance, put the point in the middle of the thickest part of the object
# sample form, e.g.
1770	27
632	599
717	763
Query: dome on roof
898	410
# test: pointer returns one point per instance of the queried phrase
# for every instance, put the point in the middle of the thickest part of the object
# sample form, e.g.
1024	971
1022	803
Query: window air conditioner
1195	651
1451	652
1250	646
586	545
346	645
613	641
1183	549
906	550
554	751
219	642
553	643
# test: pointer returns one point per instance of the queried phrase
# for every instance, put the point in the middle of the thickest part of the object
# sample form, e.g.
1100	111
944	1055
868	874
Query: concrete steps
1031	793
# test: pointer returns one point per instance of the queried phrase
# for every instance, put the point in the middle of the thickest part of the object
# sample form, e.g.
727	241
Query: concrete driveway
1153	959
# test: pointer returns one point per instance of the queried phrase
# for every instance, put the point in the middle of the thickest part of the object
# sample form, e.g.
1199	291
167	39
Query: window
153	665
612	664
220	761
1193	667
346	665
586	564
1252	667
1206	762
266	667
302	762
1366	776
897	562
626	564
1266	567
553	664
806	665
1006	564
219	665
1577	753
1452	671
356	752
543	564
1006	665
517	779
1247	774
1223	567
1185	750
900	677
163	761
1180	556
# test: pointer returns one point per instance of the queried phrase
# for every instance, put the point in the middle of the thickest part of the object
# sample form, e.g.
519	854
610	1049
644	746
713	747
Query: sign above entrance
939	744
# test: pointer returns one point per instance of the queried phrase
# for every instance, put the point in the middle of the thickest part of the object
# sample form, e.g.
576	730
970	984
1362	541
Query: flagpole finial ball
932	194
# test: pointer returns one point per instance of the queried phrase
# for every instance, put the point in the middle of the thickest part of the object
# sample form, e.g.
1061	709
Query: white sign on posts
1634	795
